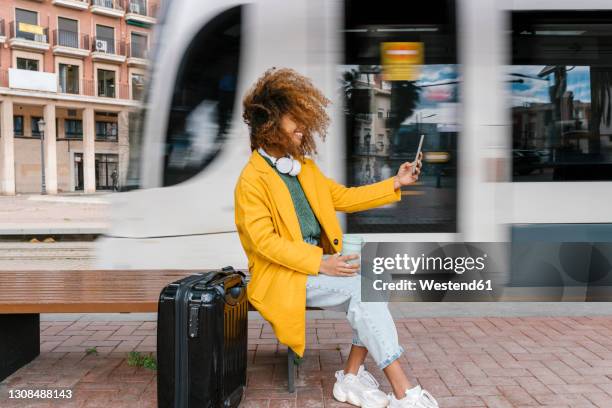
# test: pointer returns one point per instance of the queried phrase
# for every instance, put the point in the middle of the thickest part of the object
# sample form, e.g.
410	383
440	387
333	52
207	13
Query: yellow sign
401	61
31	28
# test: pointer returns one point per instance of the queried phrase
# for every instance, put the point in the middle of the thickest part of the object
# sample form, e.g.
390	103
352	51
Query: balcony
137	55
365	118
28	37
109	8
70	43
70	86
372	149
108	50
116	90
2	32
32	80
73	4
140	13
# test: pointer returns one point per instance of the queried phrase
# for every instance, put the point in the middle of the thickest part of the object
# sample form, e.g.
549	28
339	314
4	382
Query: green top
309	225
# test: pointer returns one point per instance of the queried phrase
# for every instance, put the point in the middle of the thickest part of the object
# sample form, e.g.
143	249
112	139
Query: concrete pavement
32	214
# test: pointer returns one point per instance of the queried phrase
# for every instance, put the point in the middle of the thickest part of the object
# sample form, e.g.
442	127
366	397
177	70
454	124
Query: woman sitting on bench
286	220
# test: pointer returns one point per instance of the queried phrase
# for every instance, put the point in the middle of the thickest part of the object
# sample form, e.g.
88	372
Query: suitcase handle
225	271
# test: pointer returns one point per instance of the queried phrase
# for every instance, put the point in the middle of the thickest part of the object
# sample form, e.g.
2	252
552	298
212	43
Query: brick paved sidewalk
464	362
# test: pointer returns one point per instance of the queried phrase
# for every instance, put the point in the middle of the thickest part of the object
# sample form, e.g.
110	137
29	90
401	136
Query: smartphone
418	152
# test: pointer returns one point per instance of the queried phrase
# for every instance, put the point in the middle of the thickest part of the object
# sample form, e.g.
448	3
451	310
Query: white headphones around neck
285	165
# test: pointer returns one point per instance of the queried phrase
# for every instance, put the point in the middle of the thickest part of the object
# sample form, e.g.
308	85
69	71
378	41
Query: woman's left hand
404	175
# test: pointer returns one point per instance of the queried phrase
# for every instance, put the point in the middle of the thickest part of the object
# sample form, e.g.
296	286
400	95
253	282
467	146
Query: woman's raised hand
337	265
404	175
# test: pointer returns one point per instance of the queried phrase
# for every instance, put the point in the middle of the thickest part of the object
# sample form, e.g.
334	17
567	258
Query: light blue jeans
372	323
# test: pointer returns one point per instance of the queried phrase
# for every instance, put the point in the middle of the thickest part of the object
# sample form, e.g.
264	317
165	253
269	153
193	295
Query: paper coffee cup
351	245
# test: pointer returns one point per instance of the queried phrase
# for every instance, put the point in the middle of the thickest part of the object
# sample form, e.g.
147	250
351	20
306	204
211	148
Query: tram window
387	111
203	100
560	89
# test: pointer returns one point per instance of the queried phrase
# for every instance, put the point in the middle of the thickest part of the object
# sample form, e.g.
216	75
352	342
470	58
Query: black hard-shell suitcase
202	341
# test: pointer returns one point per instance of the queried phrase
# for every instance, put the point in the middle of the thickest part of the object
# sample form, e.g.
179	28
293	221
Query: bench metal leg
19	341
290	370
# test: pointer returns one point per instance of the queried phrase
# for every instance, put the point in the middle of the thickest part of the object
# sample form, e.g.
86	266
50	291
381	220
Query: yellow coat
279	260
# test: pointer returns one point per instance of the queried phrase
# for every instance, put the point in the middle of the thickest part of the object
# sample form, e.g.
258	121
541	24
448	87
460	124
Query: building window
106	83
69	78
27	25
137	86
34	125
104	3
73	128
105	39
138	7
68	32
138	46
27	64
18	125
106	131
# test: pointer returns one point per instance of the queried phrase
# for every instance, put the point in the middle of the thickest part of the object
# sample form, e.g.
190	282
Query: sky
437	73
432	96
535	90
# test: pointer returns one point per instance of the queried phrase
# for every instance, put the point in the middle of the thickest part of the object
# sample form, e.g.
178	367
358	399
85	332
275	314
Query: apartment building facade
71	75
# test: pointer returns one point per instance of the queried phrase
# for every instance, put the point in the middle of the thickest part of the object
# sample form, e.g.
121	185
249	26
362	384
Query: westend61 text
429	284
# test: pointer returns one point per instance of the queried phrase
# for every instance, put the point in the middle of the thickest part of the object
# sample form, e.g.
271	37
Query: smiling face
279	106
291	129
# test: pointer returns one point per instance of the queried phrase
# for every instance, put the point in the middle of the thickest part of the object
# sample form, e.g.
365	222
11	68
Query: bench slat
85	291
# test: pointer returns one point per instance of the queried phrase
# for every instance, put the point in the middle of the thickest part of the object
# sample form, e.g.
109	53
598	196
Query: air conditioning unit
40	38
101	45
135	8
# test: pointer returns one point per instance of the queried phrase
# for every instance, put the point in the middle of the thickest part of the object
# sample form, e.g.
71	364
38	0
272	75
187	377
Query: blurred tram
513	97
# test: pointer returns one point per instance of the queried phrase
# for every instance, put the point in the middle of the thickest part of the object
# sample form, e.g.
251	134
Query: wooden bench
26	294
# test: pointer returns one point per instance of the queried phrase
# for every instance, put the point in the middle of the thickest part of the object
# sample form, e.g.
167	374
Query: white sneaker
360	390
420	398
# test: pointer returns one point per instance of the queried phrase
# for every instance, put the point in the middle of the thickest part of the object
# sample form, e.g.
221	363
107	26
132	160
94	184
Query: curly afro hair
280	92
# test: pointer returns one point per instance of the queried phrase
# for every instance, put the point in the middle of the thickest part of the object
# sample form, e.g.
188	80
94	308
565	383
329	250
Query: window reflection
203	100
385	116
560	97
